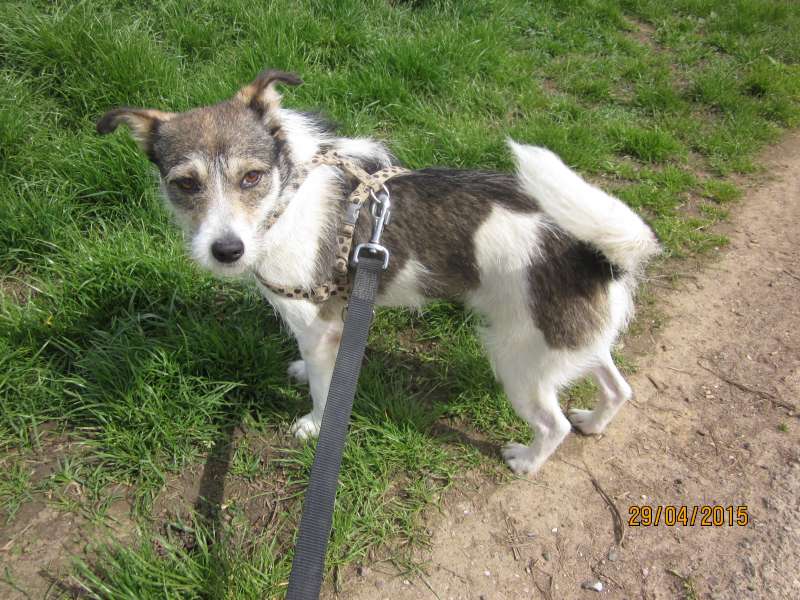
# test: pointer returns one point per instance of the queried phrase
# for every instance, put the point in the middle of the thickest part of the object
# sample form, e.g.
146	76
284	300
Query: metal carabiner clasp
380	209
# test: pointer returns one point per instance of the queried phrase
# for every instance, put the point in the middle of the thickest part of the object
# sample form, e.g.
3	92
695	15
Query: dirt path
714	421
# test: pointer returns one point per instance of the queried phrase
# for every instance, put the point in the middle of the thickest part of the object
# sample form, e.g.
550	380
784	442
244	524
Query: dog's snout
228	249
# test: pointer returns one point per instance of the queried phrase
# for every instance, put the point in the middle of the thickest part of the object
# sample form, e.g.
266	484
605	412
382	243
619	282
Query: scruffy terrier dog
550	261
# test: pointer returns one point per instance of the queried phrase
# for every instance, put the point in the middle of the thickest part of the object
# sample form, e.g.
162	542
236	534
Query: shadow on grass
148	385
423	406
211	492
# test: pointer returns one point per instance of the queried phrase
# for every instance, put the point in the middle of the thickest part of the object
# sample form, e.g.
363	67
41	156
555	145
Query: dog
550	261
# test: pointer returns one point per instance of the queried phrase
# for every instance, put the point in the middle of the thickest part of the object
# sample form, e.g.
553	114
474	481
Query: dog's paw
297	370
306	427
518	457
585	421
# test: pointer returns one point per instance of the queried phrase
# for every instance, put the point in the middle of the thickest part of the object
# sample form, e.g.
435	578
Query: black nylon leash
308	566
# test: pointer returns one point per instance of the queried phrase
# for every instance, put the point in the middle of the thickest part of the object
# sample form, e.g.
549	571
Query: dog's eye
251	178
187	184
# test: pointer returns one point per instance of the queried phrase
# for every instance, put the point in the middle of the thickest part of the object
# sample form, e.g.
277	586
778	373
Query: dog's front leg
318	338
318	347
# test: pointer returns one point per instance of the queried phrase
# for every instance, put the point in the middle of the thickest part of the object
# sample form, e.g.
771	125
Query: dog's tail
582	210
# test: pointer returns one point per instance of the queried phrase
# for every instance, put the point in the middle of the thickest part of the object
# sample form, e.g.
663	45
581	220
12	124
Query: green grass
15	487
109	335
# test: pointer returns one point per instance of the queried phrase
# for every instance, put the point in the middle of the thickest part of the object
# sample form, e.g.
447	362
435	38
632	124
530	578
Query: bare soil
714	422
37	545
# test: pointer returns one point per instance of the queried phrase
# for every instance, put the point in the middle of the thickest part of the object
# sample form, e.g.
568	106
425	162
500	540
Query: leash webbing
308	566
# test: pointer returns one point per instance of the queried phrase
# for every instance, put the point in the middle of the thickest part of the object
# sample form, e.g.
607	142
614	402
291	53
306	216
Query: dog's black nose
228	249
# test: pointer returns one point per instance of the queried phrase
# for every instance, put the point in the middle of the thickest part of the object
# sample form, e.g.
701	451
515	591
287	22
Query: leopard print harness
340	284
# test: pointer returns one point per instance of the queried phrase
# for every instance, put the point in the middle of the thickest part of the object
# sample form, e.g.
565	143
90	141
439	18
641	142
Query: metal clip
380	209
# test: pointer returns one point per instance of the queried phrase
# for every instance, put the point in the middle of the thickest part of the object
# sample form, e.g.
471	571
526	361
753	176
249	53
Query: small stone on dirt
596	586
613	555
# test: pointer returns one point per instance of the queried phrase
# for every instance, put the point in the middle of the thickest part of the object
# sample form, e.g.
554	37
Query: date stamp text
704	515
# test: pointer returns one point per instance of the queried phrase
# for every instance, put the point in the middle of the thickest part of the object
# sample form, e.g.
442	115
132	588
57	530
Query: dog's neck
298	249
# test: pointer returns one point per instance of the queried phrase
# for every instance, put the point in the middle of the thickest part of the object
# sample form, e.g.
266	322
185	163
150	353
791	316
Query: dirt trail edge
714	421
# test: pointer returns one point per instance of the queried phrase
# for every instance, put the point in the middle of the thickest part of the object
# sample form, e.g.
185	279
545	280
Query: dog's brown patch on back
568	290
437	214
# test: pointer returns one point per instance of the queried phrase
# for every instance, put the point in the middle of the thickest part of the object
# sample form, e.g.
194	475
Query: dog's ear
261	95
143	123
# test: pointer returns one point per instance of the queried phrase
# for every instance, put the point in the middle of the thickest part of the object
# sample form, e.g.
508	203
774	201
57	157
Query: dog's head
219	168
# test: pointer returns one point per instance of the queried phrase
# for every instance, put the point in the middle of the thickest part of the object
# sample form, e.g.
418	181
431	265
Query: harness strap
339	286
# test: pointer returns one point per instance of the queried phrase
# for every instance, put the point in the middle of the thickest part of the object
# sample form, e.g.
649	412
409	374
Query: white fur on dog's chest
290	249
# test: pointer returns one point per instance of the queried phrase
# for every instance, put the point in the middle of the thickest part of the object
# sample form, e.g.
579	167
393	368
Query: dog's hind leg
539	408
521	367
614	392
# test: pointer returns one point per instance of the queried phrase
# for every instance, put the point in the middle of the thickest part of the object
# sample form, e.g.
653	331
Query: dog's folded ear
261	95
143	123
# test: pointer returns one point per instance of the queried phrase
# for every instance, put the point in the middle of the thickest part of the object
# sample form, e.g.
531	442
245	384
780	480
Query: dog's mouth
227	270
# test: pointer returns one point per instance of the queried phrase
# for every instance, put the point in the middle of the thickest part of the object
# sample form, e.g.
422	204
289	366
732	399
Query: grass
15	487
109	335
